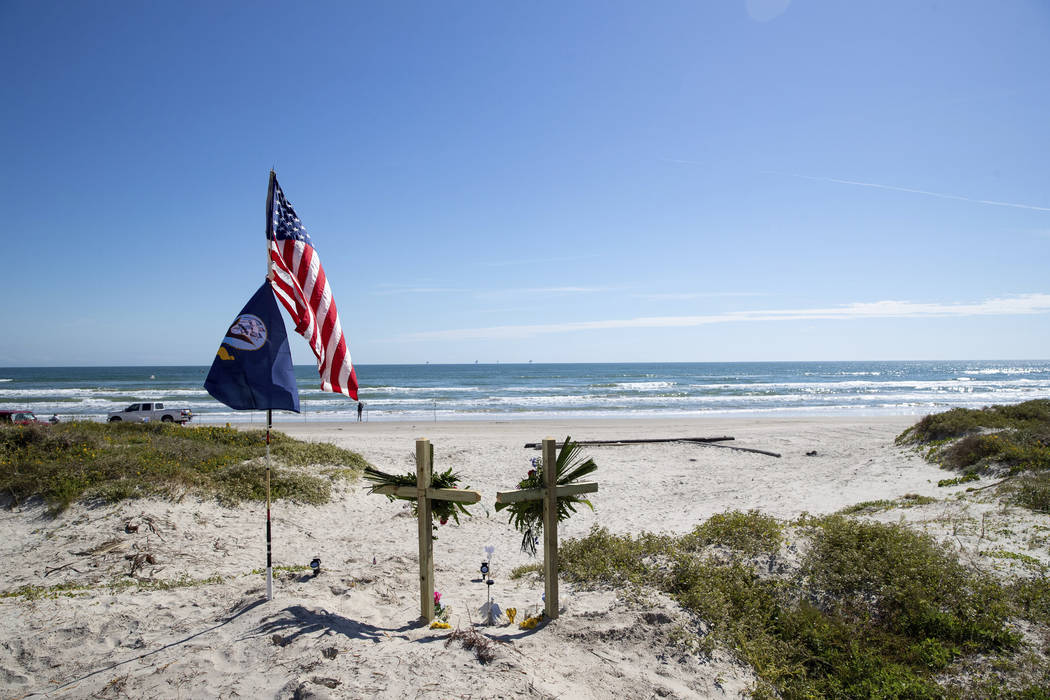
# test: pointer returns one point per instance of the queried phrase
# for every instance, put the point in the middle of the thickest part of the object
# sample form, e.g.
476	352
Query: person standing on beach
360	407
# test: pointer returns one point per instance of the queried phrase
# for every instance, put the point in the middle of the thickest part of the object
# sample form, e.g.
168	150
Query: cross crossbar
457	495
538	493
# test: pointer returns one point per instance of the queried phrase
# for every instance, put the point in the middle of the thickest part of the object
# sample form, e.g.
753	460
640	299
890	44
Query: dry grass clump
484	648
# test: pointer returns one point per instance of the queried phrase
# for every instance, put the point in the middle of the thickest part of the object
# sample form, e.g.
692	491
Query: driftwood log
711	441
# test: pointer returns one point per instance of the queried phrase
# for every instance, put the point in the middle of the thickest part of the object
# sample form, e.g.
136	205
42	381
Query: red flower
444	521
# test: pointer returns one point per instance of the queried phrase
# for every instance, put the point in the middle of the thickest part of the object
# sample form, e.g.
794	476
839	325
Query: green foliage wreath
442	511
527	516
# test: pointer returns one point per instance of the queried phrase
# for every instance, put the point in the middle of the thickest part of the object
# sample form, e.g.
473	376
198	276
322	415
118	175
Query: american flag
299	282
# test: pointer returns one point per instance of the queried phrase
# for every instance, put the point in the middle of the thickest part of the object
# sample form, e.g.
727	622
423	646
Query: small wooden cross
424	494
549	493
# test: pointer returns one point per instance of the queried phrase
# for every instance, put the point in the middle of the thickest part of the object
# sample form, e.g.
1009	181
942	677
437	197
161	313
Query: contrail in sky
940	195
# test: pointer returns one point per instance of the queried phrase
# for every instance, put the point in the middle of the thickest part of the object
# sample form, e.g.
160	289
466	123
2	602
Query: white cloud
939	195
556	290
419	290
536	261
389	289
1004	306
673	296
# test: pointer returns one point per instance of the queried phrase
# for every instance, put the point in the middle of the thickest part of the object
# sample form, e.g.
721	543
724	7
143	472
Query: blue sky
583	181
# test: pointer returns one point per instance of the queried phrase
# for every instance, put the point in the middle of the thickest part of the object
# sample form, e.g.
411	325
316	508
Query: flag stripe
300	283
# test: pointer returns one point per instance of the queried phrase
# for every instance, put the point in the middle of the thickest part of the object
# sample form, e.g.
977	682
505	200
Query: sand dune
351	631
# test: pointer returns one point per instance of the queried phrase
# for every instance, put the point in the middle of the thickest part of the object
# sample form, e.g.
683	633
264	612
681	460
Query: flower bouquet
527	516
441	612
441	510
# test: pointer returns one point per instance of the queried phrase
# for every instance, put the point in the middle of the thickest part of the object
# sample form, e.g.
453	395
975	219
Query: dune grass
987	440
67	462
1011	441
871	610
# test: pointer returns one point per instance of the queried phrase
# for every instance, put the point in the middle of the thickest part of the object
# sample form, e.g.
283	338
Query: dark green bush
605	558
1019	441
957	422
1030	598
1032	491
906	581
874	611
751	533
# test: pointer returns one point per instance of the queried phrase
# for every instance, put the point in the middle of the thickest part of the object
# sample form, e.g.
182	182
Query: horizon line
567	362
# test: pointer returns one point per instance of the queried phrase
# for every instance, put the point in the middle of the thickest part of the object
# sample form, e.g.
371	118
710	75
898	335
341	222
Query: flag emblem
248	332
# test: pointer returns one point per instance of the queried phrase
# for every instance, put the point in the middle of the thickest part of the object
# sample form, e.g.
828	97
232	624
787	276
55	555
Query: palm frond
441	510
527	516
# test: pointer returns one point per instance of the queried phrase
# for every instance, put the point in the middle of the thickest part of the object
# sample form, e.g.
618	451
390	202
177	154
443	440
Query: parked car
150	411
19	418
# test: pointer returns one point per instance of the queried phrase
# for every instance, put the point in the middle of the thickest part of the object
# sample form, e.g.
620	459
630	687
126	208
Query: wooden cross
424	494
549	492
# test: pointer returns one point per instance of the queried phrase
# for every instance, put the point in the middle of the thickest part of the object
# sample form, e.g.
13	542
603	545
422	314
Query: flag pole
269	224
269	559
269	412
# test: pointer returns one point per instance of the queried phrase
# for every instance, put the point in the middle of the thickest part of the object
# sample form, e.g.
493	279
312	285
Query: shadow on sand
296	621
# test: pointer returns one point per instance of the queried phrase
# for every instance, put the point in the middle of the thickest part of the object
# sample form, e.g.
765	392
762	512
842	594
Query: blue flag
253	367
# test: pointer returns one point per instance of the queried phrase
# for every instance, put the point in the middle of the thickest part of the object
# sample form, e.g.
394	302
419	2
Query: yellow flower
439	625
511	612
531	622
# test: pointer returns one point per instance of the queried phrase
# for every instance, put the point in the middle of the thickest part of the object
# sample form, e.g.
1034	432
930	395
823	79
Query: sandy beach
352	631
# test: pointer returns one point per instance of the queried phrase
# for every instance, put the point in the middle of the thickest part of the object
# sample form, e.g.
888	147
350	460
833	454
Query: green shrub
113	461
958	422
874	611
1032	491
751	533
964	479
1019	450
959	439
526	569
605	558
908	500
907	581
1030	598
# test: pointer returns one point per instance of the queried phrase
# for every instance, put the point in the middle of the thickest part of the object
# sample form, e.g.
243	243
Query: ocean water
524	391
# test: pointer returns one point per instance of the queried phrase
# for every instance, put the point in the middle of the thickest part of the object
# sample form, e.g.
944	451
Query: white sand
223	639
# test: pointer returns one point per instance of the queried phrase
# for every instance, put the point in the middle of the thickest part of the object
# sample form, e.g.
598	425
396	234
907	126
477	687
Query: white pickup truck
147	412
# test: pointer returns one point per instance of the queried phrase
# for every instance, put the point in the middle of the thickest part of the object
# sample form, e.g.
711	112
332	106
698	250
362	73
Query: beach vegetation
751	533
1011	441
74	590
990	440
1024	559
526	570
958	422
964	479
608	559
1031	491
871	610
110	462
908	500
